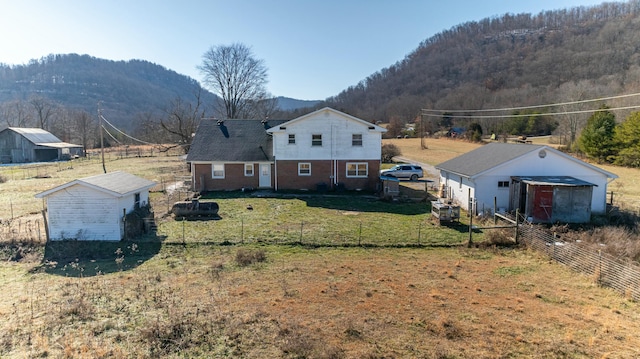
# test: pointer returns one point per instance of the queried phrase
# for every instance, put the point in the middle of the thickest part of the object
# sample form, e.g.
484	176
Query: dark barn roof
232	141
485	158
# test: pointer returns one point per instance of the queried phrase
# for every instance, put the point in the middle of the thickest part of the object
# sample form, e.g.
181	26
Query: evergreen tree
596	140
627	138
474	132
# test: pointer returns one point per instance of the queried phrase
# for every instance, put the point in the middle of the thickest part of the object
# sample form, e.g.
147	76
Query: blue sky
312	49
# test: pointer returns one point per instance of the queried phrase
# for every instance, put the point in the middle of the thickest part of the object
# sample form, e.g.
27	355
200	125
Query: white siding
79	212
336	134
485	186
458	193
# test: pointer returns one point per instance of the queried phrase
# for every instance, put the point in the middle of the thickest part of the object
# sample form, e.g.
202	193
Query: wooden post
46	224
470	243
495	210
301	229
517	224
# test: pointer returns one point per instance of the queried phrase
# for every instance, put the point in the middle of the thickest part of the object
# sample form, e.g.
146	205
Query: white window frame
358	171
292	139
250	168
302	171
217	167
314	140
355	141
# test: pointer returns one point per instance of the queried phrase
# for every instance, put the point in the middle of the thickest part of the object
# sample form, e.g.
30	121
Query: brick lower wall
287	177
321	173
234	178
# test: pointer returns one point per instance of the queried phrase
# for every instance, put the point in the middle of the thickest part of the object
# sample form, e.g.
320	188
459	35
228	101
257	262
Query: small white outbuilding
94	208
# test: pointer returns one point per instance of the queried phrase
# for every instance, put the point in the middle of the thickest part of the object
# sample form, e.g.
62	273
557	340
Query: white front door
265	175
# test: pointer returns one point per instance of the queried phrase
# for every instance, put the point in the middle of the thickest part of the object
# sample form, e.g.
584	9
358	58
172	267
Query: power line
110	135
531	114
126	135
434	112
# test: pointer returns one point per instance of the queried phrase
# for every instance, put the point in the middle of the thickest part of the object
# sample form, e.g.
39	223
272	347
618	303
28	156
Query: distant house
93	208
20	145
544	184
325	149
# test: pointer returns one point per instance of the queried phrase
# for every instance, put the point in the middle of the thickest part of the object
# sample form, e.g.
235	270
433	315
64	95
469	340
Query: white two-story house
325	149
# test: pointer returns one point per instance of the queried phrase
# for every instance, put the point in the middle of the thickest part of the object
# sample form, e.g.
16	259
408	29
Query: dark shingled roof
232	141
486	157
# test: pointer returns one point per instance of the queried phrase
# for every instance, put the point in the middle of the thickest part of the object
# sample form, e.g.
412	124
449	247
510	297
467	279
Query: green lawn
316	220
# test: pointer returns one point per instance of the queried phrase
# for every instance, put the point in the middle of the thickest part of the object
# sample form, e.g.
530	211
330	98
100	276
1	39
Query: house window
217	170
304	169
292	138
316	140
503	184
357	169
136	200
248	169
356	139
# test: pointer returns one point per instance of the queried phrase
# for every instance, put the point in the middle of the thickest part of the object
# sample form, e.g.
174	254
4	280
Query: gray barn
20	145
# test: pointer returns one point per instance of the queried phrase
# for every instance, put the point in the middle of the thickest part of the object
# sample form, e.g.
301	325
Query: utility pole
101	137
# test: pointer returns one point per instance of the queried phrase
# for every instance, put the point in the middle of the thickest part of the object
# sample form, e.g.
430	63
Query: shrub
3	179
246	257
389	150
499	237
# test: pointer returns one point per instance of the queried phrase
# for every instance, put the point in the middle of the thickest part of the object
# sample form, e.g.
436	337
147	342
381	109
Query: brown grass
23	182
321	303
438	149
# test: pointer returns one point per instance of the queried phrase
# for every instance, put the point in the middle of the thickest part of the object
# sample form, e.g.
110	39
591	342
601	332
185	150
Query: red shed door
543	203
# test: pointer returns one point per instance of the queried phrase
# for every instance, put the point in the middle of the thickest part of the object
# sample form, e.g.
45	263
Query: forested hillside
124	88
508	61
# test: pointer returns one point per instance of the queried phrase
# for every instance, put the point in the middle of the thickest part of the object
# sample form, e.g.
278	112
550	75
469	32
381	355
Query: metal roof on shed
553	181
116	183
36	135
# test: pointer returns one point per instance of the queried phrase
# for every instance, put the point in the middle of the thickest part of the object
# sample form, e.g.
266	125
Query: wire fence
24	230
607	270
312	232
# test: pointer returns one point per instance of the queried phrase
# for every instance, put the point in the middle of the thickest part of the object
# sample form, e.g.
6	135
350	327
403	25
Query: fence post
301	228
600	267
517	224
360	235
470	243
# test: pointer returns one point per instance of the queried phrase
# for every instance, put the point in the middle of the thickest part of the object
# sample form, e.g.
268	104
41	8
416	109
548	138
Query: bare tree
84	125
182	121
15	114
149	128
264	107
236	76
44	110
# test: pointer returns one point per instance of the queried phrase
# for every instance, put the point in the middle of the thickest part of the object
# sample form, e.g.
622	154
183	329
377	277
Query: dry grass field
203	301
21	183
169	298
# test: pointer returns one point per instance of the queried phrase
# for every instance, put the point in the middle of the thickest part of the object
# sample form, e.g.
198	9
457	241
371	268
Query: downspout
275	174
275	162
334	165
